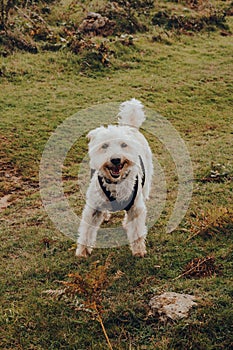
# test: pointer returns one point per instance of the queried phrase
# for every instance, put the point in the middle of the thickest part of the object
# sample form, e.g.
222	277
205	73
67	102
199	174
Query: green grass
188	82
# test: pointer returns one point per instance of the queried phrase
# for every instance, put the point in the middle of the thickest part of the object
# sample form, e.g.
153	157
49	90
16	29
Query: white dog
122	169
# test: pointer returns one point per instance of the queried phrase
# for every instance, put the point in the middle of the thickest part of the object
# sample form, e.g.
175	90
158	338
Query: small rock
172	305
93	15
5	202
96	24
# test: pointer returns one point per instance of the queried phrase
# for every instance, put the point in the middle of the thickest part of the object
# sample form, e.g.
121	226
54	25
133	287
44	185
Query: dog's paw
83	251
138	247
140	254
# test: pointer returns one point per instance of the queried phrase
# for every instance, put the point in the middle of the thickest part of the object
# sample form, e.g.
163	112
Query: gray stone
172	305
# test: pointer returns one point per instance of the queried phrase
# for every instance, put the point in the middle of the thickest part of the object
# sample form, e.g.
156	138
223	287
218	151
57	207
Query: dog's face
113	151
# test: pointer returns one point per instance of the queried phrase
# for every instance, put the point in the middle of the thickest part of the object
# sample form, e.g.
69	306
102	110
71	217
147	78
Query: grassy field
186	77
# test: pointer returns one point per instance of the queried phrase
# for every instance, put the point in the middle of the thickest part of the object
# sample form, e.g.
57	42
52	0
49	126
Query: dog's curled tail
131	113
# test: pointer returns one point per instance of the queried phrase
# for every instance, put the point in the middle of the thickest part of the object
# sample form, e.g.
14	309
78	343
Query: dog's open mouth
115	171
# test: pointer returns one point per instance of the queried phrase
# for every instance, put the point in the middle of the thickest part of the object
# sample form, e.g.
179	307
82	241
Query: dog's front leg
135	226
91	220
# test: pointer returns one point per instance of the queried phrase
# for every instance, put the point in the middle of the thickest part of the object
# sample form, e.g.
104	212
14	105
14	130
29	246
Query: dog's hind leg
91	220
134	224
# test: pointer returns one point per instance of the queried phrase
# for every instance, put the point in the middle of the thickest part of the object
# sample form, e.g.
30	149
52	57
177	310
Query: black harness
126	204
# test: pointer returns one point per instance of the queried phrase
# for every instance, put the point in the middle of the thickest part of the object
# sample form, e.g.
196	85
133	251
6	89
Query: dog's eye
104	146
123	145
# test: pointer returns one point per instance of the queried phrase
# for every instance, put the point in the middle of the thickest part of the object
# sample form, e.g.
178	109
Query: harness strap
122	205
143	171
127	204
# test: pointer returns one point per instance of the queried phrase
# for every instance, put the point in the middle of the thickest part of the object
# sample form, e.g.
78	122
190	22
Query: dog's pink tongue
116	171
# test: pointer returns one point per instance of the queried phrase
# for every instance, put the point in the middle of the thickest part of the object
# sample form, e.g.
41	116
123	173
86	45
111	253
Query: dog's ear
93	133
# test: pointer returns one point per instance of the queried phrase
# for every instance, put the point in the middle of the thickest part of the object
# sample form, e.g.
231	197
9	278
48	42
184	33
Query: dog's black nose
116	161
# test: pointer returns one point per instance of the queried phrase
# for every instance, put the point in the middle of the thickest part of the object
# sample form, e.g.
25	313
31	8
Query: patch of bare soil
4	202
12	184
